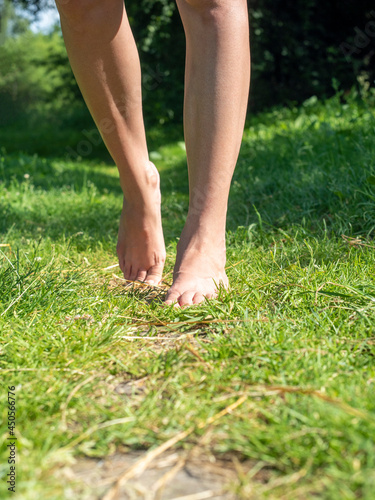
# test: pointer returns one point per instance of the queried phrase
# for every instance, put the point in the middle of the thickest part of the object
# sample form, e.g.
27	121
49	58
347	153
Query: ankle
143	188
200	253
207	225
209	240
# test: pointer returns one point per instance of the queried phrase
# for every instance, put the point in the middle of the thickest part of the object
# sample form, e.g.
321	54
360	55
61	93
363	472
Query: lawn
278	373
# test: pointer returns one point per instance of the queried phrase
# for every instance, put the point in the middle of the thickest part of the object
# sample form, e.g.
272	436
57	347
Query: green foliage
160	38
10	23
299	49
34	6
35	79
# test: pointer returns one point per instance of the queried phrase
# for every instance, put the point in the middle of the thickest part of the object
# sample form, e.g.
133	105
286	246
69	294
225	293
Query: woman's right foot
140	247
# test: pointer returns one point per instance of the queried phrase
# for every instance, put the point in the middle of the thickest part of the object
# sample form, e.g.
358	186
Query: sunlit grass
294	334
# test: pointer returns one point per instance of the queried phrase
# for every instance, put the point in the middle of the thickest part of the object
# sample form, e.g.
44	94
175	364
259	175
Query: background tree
299	48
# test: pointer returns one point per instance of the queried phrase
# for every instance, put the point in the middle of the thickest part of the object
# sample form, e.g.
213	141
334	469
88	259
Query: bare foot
199	269
140	246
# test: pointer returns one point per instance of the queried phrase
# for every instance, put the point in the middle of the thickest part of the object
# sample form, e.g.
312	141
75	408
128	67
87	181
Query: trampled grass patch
291	343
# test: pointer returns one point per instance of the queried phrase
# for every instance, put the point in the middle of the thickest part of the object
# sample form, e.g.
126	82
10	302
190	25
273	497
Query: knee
76	10
217	10
81	13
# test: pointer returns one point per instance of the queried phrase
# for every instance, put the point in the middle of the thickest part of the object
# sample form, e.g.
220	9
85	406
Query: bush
35	78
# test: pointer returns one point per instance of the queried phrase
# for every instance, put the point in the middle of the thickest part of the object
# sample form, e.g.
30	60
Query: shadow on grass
57	174
53	137
315	177
321	178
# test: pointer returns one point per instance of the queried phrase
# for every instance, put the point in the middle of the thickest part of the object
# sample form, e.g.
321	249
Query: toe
133	273
154	275
141	275
209	296
198	298
121	263
186	298
127	271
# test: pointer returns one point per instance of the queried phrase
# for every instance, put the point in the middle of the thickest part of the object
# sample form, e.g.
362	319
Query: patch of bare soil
173	476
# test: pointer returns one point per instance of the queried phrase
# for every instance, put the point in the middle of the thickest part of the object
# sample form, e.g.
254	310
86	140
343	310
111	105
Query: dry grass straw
141	465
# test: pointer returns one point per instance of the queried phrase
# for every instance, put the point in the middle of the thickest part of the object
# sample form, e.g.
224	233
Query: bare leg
105	62
216	92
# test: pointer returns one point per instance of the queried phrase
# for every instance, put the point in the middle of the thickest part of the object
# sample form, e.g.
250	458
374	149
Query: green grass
295	333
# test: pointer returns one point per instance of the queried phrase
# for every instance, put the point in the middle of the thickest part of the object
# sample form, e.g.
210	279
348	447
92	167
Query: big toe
199	298
154	275
141	275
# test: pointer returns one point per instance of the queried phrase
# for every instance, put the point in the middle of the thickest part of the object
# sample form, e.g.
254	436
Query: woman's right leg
105	62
